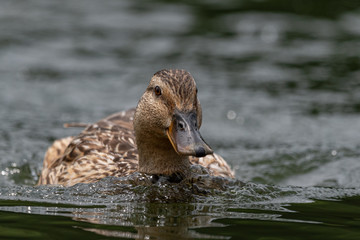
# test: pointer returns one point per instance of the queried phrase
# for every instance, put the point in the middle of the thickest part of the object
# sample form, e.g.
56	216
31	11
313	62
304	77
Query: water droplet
231	115
333	152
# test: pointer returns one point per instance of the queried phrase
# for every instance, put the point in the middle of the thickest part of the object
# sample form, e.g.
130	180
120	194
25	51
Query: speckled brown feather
108	147
56	150
216	165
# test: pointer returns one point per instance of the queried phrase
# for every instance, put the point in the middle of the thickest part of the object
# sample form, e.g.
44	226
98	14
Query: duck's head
167	122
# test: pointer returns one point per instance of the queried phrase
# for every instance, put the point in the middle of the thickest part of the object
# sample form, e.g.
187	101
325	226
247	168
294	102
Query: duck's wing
106	148
56	150
215	164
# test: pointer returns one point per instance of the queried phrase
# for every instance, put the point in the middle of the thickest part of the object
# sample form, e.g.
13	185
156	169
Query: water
278	82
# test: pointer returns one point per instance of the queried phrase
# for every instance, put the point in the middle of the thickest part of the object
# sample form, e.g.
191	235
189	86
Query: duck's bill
185	136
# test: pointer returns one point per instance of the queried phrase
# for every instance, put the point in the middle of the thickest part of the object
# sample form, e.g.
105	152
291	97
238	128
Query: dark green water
279	84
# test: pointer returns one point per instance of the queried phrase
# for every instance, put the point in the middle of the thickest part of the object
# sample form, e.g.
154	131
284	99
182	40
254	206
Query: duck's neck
157	156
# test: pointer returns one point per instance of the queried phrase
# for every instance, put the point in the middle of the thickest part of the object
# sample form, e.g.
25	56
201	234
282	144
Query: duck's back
106	148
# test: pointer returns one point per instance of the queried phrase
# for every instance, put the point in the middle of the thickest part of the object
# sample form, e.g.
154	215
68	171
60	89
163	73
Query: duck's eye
196	90
157	91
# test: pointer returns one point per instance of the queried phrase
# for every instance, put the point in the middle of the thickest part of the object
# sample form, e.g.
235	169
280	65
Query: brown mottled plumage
165	122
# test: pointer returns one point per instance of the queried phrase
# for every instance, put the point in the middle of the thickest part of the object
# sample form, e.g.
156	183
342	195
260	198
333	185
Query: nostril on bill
181	125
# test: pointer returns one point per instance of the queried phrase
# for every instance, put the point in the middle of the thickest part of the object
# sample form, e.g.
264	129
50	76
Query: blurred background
278	80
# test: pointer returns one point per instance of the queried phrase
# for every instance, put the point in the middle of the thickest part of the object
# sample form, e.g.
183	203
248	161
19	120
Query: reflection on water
239	211
117	208
278	82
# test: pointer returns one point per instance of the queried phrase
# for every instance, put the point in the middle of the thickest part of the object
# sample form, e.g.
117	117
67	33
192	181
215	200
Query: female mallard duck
166	124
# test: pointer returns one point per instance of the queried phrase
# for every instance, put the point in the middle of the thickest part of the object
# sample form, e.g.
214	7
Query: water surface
279	86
